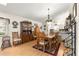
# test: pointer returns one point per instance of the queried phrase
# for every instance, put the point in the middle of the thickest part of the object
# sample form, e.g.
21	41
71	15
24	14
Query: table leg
50	45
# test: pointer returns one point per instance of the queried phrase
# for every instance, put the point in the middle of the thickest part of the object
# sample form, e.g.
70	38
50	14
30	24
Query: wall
18	19
60	19
77	35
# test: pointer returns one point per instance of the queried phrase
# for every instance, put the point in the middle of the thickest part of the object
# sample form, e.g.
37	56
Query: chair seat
17	39
35	36
51	36
43	43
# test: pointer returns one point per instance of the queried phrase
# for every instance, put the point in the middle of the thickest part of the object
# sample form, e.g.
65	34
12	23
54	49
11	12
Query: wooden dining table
50	38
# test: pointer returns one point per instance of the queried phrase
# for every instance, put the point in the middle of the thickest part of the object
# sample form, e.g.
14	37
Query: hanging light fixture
48	23
48	20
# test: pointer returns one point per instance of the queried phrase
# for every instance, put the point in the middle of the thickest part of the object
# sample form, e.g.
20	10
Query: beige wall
15	18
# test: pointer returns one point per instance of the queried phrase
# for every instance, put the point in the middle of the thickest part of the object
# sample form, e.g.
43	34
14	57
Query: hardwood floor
27	50
61	50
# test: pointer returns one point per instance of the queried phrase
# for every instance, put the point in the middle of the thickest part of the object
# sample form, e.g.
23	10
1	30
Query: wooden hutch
26	31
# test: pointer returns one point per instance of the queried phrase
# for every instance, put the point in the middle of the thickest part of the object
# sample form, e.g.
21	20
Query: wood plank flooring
26	49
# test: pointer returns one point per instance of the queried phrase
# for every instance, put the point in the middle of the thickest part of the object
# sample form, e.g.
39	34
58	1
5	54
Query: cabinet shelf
26	31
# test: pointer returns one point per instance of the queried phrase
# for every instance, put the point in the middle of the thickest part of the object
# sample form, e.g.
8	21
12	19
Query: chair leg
43	48
9	44
37	43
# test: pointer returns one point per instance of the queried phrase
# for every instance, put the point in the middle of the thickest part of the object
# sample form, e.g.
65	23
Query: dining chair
56	41
34	36
41	41
5	42
16	39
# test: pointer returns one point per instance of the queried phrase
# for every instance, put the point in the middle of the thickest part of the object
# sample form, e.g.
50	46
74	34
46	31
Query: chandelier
48	20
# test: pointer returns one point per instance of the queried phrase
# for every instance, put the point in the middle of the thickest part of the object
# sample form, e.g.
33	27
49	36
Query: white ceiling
35	11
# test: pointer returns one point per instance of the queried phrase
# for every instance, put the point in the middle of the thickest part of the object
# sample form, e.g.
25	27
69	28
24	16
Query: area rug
53	52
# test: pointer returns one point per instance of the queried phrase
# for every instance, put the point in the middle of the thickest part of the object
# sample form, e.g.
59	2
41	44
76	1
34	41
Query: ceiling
35	11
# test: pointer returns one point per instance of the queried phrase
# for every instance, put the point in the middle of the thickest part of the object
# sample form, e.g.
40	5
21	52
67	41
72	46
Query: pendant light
48	20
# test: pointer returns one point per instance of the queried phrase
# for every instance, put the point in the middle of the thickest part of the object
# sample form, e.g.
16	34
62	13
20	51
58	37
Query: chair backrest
15	35
40	37
4	38
38	33
36	30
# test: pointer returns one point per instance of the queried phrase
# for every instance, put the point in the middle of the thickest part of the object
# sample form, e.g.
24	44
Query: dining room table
50	38
47	38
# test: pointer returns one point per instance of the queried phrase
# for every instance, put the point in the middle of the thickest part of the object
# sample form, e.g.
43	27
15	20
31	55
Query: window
3	26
